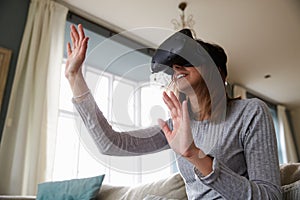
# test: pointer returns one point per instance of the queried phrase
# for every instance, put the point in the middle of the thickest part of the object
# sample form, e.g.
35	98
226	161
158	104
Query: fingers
74	36
81	32
83	46
168	101
173	104
77	36
69	50
170	105
175	101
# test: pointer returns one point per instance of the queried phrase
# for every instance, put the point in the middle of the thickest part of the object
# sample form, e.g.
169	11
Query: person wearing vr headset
226	148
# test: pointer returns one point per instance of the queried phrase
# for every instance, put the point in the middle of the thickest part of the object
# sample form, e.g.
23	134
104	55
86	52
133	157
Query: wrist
78	85
74	78
202	162
195	154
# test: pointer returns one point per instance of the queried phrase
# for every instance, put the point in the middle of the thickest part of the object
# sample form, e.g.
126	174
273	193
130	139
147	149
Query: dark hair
218	55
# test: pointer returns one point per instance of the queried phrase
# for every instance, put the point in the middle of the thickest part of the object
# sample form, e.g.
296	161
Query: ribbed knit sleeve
110	142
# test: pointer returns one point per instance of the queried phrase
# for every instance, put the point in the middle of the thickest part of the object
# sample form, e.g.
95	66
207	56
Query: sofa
173	188
290	180
164	189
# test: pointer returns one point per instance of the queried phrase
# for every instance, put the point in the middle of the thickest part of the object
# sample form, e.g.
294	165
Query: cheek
194	71
196	77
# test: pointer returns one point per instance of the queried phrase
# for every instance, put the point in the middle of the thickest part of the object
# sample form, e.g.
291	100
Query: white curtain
32	113
285	136
239	91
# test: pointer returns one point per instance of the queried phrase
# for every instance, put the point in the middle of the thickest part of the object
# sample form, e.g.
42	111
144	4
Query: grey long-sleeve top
244	150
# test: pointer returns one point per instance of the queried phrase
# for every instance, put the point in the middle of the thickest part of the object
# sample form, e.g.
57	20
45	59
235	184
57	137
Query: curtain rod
104	23
90	17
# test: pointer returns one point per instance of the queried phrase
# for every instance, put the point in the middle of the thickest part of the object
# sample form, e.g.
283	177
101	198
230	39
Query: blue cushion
85	188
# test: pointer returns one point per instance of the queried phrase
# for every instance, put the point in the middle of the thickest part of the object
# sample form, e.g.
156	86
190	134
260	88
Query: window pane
159	165
102	94
123	103
123	170
121	179
99	85
66	152
90	161
152	105
88	165
65	96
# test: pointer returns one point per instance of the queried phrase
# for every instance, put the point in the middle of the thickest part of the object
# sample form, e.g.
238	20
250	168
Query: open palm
180	138
76	52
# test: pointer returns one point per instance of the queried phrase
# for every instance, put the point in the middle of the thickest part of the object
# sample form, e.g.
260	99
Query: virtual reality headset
183	50
177	49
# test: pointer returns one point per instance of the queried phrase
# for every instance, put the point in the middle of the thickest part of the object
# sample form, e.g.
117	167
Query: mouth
179	76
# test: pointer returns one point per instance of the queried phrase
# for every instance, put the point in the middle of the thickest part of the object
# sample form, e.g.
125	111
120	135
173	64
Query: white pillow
289	173
290	180
154	197
169	188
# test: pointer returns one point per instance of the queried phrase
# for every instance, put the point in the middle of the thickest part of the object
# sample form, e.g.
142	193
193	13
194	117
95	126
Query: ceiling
260	37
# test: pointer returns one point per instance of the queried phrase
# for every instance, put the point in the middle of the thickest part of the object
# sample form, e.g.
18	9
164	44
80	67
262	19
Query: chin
184	87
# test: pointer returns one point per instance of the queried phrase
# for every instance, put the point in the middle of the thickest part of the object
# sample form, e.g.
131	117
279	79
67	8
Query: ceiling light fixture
184	23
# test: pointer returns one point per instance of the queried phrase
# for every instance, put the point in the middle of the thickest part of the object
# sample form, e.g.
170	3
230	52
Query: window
127	104
73	159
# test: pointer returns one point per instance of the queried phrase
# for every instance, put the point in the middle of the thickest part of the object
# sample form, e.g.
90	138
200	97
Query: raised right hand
76	52
180	138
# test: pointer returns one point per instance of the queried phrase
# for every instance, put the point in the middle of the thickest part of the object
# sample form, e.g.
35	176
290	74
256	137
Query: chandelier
184	22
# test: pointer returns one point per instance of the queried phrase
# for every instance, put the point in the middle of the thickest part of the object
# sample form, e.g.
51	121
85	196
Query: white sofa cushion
290	180
169	188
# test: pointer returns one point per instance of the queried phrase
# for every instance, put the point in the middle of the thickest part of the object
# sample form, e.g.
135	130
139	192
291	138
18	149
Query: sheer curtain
32	112
285	135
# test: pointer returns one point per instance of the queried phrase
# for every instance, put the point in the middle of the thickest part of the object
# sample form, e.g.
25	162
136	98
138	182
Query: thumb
164	126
